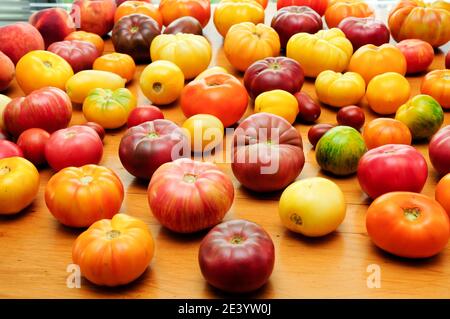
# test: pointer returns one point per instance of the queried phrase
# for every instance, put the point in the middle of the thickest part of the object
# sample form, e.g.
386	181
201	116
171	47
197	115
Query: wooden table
35	249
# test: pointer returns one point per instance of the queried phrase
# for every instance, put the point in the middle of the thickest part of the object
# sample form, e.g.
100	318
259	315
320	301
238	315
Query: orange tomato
442	193
263	3
370	60
341	9
118	63
115	251
382	131
437	84
138	7
93	38
174	9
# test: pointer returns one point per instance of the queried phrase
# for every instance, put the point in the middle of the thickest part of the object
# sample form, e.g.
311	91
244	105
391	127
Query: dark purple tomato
317	131
308	109
184	25
351	116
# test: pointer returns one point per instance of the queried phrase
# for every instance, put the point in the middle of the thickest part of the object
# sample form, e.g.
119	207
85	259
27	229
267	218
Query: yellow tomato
387	92
231	12
191	52
312	207
118	63
19	184
211	71
337	89
79	85
325	50
38	69
246	43
109	108
162	82
4	100
205	131
278	102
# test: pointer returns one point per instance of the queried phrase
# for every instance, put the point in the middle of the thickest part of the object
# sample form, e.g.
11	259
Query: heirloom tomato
38	69
351	115
93	38
184	25
320	6
174	9
308	109
312	207
97	128
316	132
221	95
382	131
204	131
437	84
337	89
32	143
370	60
442	193
439	150
231	12
79	54
138	7
408	225
278	102
109	108
413	19
196	52
325	50
113	252
419	55
143	114
362	31
187	196
211	71
267	153
118	63
80	196
9	149
237	256
338	10
19	184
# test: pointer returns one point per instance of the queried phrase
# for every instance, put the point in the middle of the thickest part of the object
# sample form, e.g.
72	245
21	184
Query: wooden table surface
35	249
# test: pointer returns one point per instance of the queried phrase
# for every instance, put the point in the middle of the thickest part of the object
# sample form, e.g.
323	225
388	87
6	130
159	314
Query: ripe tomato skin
442	193
439	150
98	128
32	143
393	226
382	131
9	149
351	115
174	9
437	84
317	131
419	55
143	114
308	109
119	63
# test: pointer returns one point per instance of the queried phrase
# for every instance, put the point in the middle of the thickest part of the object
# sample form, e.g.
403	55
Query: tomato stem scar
411	214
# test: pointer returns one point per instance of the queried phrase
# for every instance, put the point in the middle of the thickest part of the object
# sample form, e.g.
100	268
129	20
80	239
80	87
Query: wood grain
35	249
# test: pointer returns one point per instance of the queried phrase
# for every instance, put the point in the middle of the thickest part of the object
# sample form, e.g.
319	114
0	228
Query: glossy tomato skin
98	128
362	31
79	54
320	6
174	9
221	95
32	142
295	19
267	153
408	225
437	84
339	10
237	256
138	7
272	74
442	193
147	146
308	109
317	131
9	149
143	114
419	55
93	38
76	146
351	115
278	102
184	25
118	63
392	168
439	150
382	131
187	196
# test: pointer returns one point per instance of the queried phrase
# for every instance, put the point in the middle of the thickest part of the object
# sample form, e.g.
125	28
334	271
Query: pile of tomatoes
350	60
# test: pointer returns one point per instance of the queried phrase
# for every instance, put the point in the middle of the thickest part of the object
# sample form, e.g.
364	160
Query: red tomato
9	149
419	55
308	109
320	6
76	146
32	142
221	95
408	224
317	131
439	150
362	31
237	256
174	9
143	114
79	54
392	168
351	116
98	128
187	196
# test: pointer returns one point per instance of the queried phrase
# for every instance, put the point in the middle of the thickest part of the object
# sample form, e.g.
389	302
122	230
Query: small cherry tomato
317	131
351	116
308	109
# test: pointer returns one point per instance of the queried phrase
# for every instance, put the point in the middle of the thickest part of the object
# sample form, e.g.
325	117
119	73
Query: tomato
320	6
48	108
205	132
437	84
118	63
278	102
3	135
419	55
109	108
439	150
303	210
362	31
32	143
337	89
338	10
339	150
221	95
174	9
4	100
19	184
138	7
308	109
196	52
184	25
9	149
442	193
316	132
413	19
97	128
231	12
93	38
80	54
242	47
79	85
263	3
211	71
77	145
351	115
396	91
39	69
447	60
113	252
237	256
203	195
162	82
408	225
422	114
392	168
143	114
370	60
382	131
267	153
145	147
80	196
324	50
